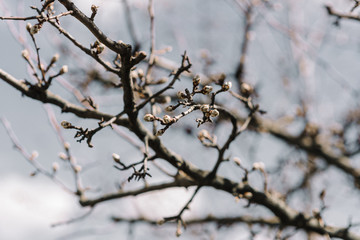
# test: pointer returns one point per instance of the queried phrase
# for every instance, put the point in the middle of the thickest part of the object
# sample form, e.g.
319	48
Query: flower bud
167	119
178	232
205	108
35	29
248	195
246	89
207	89
28	26
203	134
161	222
54	59
116	157
196	80
169	108
237	161
226	86
34	155
149	117
25	54
77	168
181	95
162	80
66	124
63	156
55	167
259	166
214	113
67	146
64	69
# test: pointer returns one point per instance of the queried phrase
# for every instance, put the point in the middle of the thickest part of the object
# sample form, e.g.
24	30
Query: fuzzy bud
167	119
205	108
149	117
259	166
226	86
54	59
67	146
35	29
181	95
214	113
178	232
77	168
196	80
162	80
248	195
161	222
25	54
55	167
246	89
34	155
66	124
207	89
28	27
237	161
169	108
63	156
116	157
203	134
64	69
140	73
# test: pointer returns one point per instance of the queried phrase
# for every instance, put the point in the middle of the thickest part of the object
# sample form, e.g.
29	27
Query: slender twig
31	158
76	219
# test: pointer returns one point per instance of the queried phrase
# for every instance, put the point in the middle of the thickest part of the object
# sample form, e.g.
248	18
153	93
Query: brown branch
118	47
239	74
225	221
180	182
350	16
49	97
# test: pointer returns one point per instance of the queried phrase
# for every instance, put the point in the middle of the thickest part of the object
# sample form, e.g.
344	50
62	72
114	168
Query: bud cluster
206	109
33	29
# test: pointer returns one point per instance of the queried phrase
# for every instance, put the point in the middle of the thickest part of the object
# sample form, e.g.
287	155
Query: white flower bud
34	155
77	168
66	146
63	156
214	113
140	73
55	167
64	69
169	108
259	166
34	29
178	232
207	89
167	119
25	54
248	195
116	157
196	80
246	89
226	86
149	117
237	161
55	58
205	108
203	134
28	27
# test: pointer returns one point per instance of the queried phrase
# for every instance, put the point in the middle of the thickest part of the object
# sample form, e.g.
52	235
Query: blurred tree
280	149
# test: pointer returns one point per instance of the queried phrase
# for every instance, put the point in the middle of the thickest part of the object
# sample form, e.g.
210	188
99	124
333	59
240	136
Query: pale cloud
28	207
